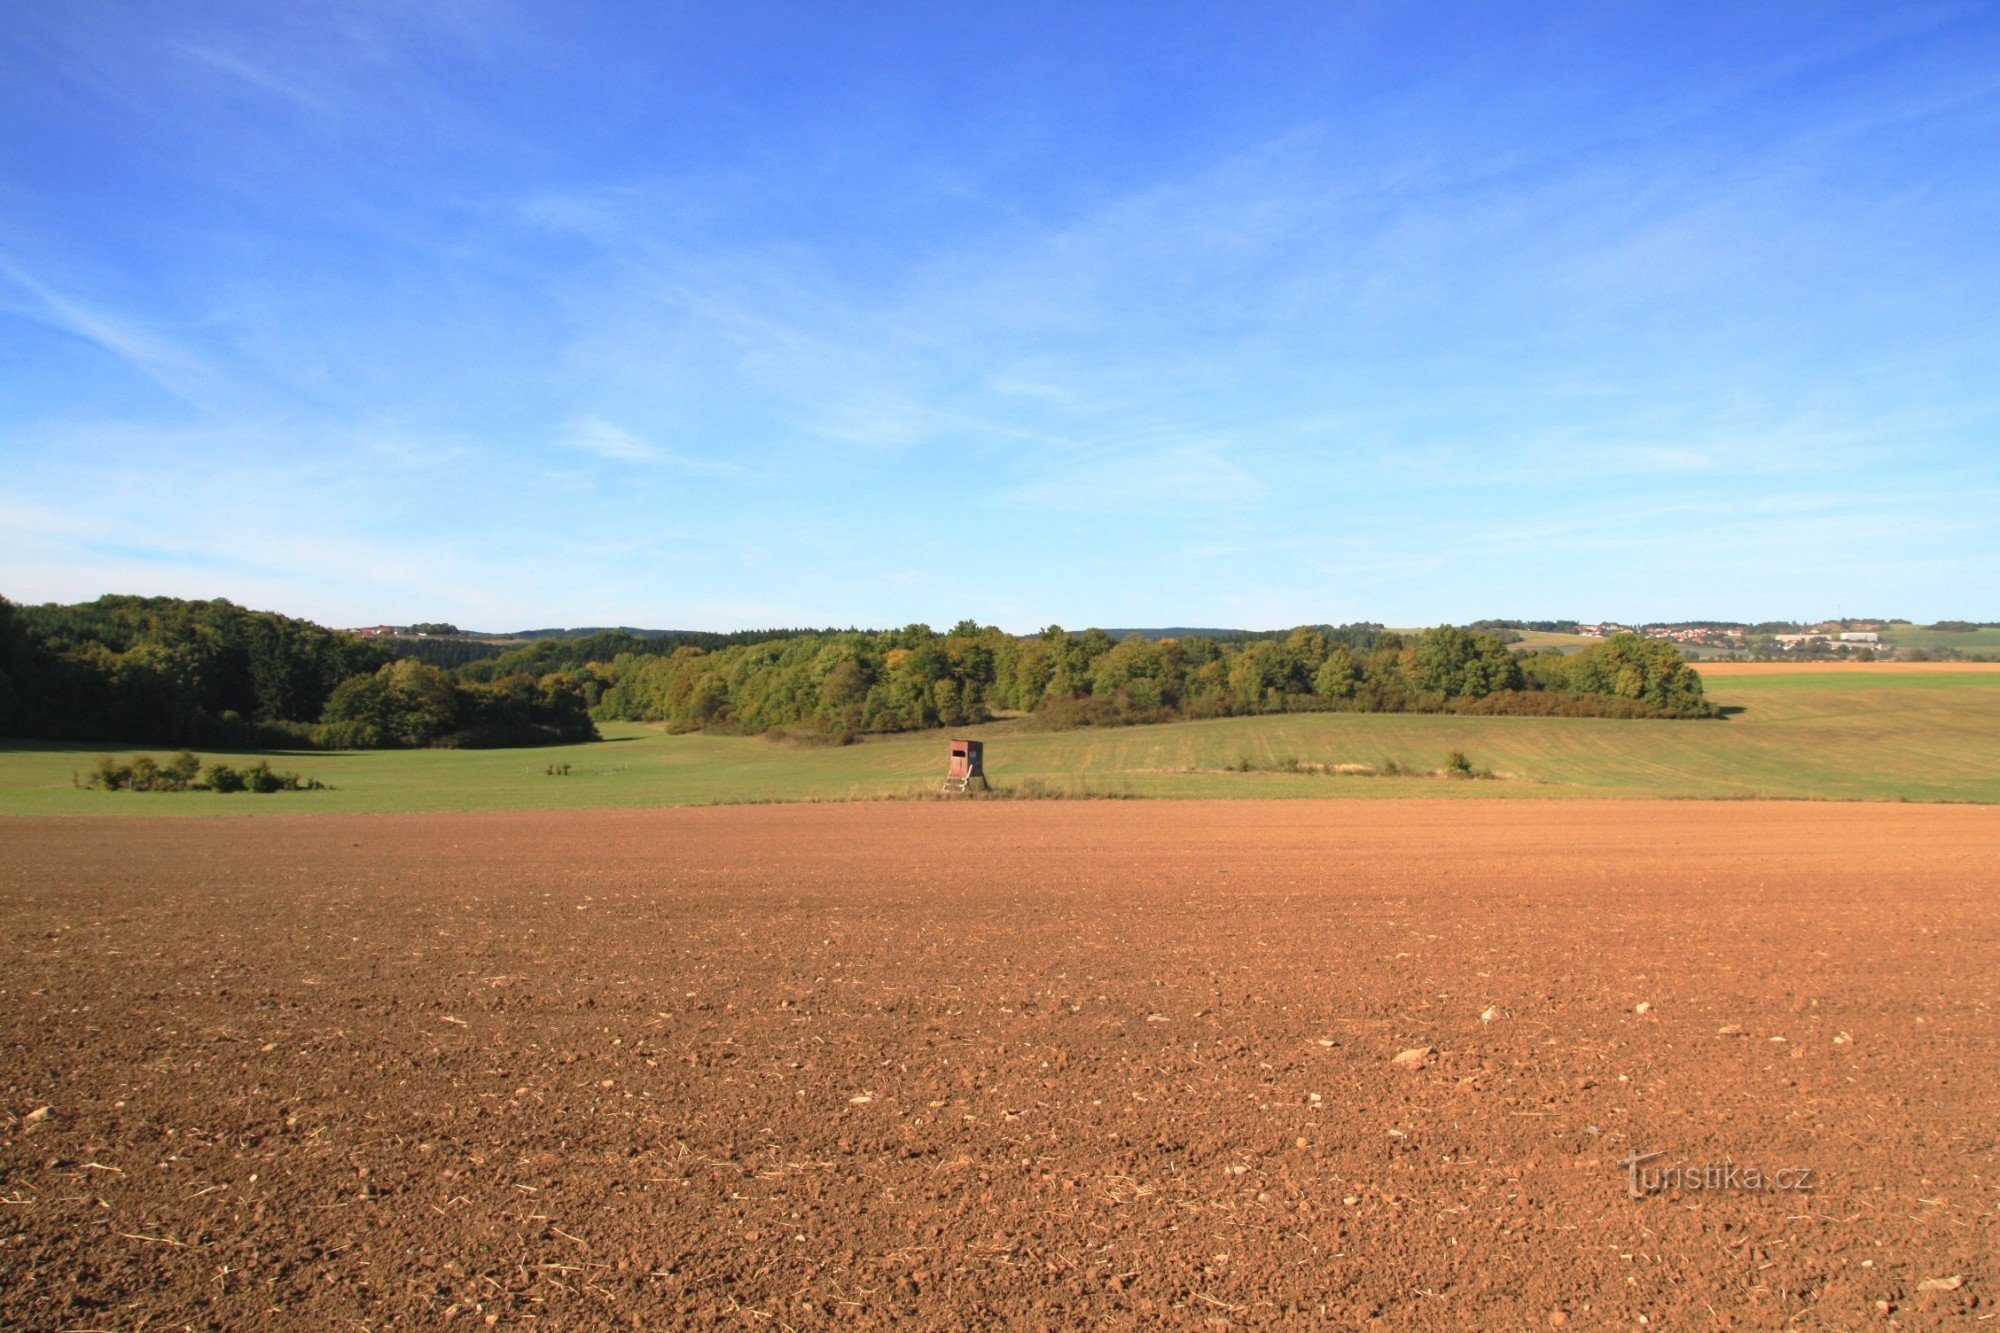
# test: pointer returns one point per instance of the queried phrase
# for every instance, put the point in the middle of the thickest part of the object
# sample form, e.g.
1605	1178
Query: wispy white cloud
256	76
608	440
165	363
594	435
1181	477
278	516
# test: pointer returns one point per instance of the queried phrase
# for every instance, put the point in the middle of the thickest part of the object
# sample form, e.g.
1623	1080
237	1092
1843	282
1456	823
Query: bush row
184	772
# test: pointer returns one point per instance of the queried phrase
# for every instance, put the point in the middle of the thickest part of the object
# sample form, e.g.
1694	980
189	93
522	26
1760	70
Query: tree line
553	650
164	670
857	682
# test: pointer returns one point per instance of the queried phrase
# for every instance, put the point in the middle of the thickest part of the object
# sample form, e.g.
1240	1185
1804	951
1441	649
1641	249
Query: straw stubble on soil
1044	1062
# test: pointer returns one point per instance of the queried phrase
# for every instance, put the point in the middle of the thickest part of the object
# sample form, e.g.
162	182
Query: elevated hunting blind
968	765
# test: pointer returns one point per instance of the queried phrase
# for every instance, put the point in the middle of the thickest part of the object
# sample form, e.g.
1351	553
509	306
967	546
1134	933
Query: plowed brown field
1050	1063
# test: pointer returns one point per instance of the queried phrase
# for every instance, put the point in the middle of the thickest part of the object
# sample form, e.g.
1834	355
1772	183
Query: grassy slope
1838	736
1539	639
1974	641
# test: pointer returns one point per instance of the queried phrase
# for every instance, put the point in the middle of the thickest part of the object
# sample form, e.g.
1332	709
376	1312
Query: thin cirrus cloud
1181	477
608	440
165	364
257	77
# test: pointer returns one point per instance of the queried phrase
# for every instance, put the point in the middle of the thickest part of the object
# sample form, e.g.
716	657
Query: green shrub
261	777
144	773
350	735
109	774
180	772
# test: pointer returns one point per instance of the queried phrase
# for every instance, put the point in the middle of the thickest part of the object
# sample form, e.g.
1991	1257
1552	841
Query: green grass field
1968	641
1539	639
1851	736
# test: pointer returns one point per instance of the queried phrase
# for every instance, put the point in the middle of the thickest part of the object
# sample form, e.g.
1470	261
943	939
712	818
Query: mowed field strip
1930	732
1044	1063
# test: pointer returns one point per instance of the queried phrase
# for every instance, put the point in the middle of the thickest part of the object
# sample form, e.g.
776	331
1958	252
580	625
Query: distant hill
1187	632
521	635
585	631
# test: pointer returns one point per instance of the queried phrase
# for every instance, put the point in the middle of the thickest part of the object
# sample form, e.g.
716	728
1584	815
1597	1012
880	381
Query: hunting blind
968	765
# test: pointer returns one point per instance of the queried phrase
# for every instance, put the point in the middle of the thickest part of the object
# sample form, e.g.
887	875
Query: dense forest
851	683
162	670
551	649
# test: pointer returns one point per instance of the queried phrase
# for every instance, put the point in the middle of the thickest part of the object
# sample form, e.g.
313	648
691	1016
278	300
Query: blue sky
751	314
